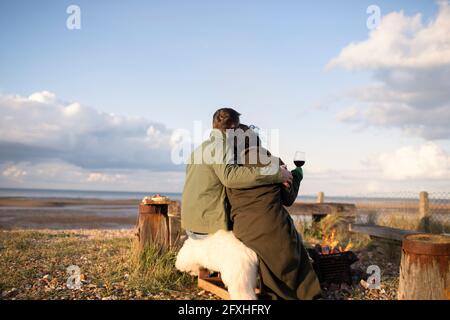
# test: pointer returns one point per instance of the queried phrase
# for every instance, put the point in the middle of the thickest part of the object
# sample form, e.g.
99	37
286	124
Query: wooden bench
214	284
322	209
374	231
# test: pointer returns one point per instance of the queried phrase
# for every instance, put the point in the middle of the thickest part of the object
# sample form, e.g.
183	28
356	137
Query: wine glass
299	158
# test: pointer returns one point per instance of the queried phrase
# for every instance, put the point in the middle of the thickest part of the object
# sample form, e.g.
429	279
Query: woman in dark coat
262	223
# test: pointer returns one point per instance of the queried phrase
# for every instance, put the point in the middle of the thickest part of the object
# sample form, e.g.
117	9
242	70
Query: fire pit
331	262
334	267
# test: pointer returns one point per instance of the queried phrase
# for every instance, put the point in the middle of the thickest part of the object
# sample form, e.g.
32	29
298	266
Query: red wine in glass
299	159
299	163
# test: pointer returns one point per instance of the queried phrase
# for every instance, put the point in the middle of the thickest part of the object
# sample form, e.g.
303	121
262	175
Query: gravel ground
33	265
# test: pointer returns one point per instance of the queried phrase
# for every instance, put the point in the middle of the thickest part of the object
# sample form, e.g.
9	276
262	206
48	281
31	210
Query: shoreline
64	214
36	202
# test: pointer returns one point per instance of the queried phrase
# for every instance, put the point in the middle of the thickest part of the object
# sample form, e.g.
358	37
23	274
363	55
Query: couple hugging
233	213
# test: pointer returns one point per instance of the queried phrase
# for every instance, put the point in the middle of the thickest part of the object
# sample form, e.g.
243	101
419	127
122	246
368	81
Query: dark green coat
262	223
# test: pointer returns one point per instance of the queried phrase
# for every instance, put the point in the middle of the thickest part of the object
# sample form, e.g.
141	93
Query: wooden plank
381	232
210	287
214	285
345	209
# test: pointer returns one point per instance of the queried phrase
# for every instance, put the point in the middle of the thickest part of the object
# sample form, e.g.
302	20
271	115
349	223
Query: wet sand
49	213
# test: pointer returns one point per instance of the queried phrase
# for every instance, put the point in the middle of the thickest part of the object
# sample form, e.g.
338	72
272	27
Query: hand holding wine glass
286	175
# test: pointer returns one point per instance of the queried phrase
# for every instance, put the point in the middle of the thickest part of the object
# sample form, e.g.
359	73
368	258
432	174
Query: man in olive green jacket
204	207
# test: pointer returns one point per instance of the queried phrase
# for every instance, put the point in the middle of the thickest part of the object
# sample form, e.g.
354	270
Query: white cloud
407	168
42	127
410	61
46	142
13	172
104	177
427	161
56	174
402	41
374	186
43	97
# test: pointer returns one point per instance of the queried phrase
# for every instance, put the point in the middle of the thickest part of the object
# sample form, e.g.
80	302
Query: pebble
201	293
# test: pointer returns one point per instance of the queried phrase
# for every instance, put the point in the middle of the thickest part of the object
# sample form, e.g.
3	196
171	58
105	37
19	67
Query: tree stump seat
425	268
159	224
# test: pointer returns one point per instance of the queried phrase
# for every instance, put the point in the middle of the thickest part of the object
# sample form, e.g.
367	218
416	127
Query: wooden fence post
424	211
424	205
320	199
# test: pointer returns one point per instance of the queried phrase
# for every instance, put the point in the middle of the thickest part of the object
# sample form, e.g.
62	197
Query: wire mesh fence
406	210
439	211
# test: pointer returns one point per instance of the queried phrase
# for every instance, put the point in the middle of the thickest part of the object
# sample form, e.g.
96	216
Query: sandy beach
56	213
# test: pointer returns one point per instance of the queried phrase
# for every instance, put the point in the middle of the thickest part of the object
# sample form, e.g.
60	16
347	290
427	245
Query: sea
81	194
100	194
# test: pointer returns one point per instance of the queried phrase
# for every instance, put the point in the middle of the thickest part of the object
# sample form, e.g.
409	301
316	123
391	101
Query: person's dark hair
226	118
245	128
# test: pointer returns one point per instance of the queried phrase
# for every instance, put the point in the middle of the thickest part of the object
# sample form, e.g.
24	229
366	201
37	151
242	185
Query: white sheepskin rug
222	252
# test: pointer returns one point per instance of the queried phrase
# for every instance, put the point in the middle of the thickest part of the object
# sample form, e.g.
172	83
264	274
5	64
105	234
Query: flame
330	244
349	246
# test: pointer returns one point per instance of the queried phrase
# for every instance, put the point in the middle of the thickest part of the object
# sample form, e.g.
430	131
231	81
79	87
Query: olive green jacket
204	207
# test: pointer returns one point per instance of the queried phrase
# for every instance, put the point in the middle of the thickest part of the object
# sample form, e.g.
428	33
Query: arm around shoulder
235	176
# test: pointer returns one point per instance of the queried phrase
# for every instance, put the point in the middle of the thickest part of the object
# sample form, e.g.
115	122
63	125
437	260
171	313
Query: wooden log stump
424	268
159	224
176	234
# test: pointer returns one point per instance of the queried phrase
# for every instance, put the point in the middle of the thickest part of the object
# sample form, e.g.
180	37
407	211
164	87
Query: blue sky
175	62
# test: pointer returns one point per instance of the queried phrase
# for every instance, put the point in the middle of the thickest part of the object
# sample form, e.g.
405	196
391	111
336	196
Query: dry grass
155	272
33	266
315	231
410	222
406	222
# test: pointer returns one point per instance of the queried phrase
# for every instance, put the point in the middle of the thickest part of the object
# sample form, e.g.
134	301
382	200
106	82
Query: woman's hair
251	152
225	118
248	146
249	142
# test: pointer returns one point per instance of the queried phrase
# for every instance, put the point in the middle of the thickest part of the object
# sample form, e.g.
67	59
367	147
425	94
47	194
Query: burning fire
330	245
